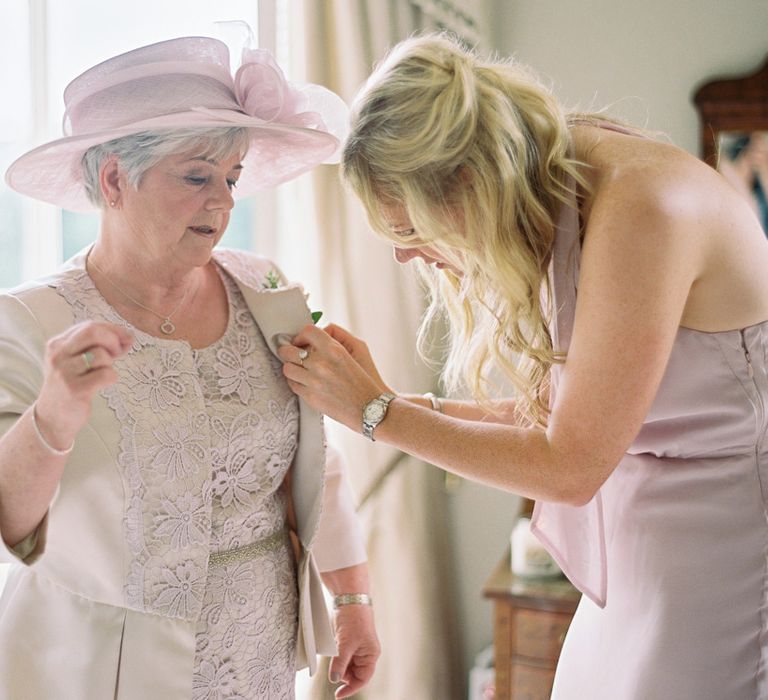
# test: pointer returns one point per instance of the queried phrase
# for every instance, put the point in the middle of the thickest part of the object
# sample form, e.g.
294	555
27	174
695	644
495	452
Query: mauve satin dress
671	552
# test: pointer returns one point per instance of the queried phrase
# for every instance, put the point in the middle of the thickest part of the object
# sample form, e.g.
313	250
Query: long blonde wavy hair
477	152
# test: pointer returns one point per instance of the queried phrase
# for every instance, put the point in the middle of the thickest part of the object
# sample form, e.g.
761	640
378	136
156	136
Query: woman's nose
403	255
221	198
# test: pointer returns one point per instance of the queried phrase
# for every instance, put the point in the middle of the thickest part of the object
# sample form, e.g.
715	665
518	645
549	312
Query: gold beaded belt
248	551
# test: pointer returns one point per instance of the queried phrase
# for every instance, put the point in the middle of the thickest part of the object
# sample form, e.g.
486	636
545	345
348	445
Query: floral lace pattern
206	439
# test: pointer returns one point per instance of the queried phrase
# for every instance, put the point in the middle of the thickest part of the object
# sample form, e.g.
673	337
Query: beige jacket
67	631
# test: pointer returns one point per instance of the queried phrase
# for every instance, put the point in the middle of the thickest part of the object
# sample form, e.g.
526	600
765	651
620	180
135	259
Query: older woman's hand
78	362
358	649
333	371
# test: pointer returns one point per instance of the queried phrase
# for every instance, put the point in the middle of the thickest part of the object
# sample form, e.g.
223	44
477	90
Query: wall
481	521
645	58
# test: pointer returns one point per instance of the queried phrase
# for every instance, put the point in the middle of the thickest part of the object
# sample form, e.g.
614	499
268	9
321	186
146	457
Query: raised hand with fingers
34	452
337	376
359	351
78	362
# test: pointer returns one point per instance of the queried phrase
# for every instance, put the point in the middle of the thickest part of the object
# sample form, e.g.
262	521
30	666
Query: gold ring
88	358
303	355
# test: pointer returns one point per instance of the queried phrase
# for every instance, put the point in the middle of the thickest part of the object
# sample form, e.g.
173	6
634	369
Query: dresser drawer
531	682
531	619
539	634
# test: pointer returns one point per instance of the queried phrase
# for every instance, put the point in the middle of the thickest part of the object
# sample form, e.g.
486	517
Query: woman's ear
111	181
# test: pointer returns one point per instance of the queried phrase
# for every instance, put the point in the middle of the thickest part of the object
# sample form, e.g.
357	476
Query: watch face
375	411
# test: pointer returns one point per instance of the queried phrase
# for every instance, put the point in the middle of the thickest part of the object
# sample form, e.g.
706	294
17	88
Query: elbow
579	497
570	496
576	488
576	471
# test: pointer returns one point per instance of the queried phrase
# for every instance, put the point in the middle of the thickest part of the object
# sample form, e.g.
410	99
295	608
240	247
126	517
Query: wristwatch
374	412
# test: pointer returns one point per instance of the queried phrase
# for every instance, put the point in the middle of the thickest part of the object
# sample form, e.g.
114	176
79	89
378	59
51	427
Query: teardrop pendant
167	327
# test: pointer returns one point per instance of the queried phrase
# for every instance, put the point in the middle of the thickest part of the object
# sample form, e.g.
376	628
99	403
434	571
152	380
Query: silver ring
303	355
88	358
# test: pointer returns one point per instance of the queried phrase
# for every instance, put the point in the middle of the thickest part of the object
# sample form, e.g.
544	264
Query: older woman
629	280
153	460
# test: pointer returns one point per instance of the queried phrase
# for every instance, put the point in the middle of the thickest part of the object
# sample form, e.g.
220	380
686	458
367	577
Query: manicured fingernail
335	677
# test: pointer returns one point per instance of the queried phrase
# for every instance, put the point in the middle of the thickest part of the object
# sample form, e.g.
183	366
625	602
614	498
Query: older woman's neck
143	263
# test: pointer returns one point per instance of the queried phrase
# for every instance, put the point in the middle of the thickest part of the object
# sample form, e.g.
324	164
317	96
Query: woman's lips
203	230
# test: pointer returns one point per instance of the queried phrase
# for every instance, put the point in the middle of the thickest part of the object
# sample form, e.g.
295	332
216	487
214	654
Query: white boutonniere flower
272	281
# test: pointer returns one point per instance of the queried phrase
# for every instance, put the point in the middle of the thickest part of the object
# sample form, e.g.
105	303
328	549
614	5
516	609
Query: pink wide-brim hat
186	83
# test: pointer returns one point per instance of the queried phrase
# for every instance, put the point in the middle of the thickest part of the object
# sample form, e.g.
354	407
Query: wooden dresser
531	618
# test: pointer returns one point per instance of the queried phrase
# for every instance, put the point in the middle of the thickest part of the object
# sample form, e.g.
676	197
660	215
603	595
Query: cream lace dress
207	438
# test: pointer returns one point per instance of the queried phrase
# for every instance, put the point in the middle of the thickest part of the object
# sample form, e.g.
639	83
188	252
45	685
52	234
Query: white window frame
41	236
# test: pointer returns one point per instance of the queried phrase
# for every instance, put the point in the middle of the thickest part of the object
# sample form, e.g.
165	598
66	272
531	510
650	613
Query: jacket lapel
284	310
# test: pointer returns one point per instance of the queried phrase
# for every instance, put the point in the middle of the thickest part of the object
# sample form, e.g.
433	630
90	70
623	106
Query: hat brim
277	153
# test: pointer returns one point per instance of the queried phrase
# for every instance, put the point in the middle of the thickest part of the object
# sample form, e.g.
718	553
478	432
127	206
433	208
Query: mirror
743	161
734	133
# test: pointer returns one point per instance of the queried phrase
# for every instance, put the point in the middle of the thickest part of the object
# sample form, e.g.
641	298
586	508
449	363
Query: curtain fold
457	17
404	514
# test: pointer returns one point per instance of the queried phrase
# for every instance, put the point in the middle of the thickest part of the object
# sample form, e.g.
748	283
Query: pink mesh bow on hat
186	83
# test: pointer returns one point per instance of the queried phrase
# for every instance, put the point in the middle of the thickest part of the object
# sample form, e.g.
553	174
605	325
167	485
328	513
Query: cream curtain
403	501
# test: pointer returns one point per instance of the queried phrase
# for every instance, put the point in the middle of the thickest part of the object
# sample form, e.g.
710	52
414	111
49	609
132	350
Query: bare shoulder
660	205
638	177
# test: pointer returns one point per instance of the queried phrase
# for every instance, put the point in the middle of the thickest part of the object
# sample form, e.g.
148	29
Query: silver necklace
167	326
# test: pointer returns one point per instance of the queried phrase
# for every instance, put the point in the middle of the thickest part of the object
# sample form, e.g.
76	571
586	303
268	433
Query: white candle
529	558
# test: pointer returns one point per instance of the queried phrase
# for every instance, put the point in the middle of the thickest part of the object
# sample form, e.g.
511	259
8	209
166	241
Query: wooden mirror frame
731	104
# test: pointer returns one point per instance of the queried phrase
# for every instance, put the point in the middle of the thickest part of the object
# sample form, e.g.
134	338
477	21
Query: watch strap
369	426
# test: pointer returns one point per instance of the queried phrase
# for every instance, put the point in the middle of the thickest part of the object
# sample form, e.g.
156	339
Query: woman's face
400	224
182	205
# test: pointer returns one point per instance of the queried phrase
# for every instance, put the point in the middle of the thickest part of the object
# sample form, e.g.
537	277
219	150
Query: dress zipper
750	370
747	356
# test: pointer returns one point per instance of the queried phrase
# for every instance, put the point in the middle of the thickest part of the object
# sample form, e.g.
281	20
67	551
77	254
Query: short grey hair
137	153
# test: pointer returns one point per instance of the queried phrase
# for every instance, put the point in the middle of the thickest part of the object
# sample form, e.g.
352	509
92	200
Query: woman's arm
31	464
340	555
355	631
471	410
468	410
642	254
29	477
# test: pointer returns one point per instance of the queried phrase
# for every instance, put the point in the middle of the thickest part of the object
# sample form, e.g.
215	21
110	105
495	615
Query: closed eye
197	181
405	233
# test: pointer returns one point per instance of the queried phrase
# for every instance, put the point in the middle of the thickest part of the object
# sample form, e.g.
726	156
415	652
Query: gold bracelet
351	599
435	401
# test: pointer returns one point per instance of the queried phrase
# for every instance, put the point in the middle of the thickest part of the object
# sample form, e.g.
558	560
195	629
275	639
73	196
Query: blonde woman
620	285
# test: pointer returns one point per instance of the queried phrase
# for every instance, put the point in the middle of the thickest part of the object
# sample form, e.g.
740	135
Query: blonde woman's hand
358	647
359	351
324	373
78	362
